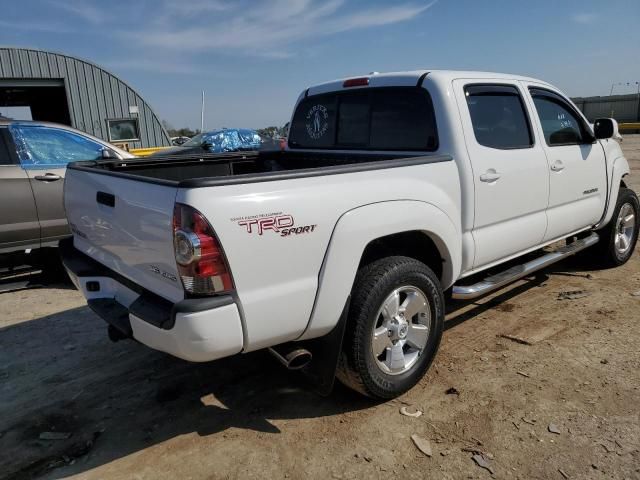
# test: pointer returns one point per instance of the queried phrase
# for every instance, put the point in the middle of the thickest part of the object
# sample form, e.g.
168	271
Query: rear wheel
618	239
394	328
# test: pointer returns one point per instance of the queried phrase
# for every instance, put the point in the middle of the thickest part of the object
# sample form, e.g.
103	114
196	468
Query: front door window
48	147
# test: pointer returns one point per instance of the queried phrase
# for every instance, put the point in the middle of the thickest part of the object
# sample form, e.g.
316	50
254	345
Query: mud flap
321	371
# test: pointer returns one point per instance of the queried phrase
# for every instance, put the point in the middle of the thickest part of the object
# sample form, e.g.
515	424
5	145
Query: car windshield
194	142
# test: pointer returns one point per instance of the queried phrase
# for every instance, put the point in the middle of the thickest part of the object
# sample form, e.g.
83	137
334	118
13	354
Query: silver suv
33	159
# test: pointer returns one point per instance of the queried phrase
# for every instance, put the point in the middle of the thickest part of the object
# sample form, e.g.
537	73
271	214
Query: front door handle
48	177
490	176
557	166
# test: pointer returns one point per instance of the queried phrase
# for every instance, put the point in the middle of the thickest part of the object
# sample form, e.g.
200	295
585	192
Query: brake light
356	82
202	265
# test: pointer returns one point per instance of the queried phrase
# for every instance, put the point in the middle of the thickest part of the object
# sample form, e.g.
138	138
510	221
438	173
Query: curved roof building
48	86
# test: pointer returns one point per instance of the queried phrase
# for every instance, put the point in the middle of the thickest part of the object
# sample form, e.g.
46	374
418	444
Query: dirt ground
124	411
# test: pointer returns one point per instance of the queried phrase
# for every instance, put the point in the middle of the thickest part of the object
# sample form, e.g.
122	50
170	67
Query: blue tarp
227	140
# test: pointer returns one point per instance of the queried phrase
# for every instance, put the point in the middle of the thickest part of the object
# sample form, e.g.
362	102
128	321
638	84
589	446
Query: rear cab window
498	116
382	118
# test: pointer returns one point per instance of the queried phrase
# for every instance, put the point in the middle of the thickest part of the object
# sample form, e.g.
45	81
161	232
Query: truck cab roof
411	78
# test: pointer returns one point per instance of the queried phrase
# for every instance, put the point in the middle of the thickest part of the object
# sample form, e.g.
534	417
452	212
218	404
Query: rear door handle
557	166
48	177
490	176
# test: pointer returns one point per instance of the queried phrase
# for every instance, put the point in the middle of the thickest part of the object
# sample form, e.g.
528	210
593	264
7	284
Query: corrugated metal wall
93	94
624	108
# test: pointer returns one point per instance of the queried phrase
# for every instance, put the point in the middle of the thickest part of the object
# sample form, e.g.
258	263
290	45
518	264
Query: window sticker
317	121
564	121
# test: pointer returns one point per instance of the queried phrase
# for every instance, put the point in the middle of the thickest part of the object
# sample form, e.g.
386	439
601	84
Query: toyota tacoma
395	193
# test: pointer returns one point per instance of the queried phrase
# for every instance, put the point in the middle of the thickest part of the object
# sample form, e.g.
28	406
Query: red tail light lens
201	261
356	82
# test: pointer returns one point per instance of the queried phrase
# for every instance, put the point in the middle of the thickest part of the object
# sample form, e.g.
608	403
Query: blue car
218	141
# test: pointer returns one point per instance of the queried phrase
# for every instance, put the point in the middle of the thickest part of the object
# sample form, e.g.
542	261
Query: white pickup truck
395	191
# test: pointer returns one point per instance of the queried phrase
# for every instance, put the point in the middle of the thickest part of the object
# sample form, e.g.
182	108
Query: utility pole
202	114
629	84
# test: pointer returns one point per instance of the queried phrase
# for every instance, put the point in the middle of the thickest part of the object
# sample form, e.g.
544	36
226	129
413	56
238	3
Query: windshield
194	142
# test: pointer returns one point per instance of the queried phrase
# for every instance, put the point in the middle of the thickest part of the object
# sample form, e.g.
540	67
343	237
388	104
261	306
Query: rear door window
498	116
390	118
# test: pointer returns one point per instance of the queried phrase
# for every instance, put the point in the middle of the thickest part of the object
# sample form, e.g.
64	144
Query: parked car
217	141
33	157
393	190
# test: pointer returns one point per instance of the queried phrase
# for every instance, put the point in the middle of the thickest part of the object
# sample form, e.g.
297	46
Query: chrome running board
501	279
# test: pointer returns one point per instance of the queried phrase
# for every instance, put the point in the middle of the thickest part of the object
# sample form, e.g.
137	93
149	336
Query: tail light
356	82
202	265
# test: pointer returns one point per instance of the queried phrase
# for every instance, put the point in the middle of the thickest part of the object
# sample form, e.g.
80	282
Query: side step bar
501	279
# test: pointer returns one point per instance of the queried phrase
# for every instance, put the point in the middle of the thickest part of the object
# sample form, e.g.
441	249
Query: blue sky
254	57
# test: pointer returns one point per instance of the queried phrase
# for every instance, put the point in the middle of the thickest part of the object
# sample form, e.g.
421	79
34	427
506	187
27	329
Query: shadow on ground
61	374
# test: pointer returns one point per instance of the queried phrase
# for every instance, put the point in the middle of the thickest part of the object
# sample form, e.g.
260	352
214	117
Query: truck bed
246	167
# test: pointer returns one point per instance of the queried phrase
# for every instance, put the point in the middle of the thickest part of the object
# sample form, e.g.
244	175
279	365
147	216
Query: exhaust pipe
292	357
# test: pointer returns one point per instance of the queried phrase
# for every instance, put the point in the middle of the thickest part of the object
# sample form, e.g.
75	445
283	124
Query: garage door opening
44	100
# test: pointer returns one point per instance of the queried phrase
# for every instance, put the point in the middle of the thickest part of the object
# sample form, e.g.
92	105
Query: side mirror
206	145
605	128
107	154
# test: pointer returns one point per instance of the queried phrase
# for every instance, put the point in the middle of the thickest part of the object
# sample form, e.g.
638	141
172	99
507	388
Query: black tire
609	255
358	368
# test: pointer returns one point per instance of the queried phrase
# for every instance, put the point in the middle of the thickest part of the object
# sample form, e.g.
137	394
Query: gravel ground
123	411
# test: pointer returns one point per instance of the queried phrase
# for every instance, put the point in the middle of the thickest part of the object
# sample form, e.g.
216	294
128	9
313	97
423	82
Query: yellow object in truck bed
145	152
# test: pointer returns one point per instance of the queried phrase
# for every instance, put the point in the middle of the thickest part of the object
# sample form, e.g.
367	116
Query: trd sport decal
280	223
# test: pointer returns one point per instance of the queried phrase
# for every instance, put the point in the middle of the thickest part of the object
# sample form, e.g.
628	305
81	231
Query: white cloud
151	65
195	7
378	17
34	26
271	28
183	29
584	18
84	10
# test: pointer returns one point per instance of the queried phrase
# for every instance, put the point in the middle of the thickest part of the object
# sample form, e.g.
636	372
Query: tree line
267	132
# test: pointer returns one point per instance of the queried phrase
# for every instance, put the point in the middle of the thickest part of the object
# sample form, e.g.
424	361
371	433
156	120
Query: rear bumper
197	330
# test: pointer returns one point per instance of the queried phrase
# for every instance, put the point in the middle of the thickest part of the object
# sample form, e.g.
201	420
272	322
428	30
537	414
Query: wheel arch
416	244
619	170
402	227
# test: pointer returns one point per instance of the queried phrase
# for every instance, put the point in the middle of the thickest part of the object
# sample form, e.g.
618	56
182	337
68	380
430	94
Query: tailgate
127	226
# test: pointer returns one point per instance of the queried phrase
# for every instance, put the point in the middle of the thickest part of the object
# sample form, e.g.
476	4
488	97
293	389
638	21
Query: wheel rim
625	226
401	331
